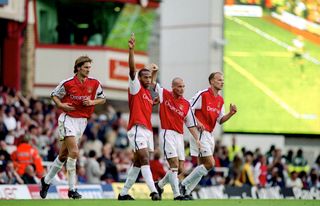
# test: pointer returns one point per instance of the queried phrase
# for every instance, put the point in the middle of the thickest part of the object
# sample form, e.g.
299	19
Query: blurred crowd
254	168
29	142
308	9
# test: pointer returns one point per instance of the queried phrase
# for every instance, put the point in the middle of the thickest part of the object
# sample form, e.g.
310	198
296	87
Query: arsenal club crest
90	89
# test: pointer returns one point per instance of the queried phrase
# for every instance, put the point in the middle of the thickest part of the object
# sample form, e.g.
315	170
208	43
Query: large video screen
272	67
94	23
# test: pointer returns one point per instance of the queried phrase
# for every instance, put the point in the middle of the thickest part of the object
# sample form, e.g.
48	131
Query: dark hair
80	61
92	153
212	75
31	127
248	153
143	70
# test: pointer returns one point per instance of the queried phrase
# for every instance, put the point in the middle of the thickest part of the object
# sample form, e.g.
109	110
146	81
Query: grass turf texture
164	202
135	19
255	66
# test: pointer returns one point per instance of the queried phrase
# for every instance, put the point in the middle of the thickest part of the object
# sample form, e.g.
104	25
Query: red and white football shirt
74	92
174	112
140	104
208	108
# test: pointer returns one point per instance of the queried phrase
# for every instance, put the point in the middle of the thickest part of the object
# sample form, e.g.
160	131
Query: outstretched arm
233	110
132	65
154	73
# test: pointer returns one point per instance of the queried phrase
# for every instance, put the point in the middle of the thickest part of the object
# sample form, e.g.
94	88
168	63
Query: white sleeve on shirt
134	85
190	119
196	101
221	114
99	92
159	90
59	91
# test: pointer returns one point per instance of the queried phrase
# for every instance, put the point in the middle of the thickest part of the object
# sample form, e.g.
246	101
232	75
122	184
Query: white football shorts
140	138
70	126
172	144
207	145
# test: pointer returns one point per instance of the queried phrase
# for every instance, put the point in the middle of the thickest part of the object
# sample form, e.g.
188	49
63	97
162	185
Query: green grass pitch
273	94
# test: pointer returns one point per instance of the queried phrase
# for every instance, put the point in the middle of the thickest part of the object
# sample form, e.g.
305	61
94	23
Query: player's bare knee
209	165
74	154
143	156
63	157
136	163
144	161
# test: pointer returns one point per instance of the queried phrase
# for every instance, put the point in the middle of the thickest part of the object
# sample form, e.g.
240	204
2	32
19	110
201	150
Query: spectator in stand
300	163
279	163
304	178
289	161
103	127
10	175
156	166
33	133
90	130
274	179
313	179
235	172
93	144
2	95
10	123
216	156
110	173
26	155
224	157
262	171
294	180
3	129
270	153
316	165
93	169
289	157
4	155
82	176
234	149
29	176
247	176
43	144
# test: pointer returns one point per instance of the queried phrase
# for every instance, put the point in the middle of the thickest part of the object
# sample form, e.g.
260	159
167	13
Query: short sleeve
190	119
221	114
159	90
134	85
59	91
99	92
196	101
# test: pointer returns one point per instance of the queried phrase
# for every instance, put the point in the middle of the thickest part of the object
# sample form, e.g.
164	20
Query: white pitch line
267	91
271	38
255	54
